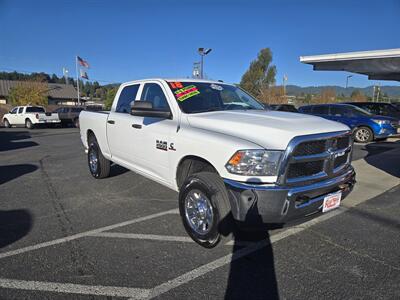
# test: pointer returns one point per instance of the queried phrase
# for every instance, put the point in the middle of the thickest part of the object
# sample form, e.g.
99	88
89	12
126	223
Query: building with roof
376	64
57	93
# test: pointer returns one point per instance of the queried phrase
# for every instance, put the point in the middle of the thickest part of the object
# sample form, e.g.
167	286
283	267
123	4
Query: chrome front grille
316	157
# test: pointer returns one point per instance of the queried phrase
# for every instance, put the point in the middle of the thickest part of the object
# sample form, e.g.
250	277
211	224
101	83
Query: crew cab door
156	135
12	116
122	137
20	116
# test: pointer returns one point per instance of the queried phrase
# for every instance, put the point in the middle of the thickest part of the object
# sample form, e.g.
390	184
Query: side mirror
145	109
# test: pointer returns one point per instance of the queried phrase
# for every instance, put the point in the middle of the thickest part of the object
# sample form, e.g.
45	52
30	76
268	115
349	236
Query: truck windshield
35	109
197	97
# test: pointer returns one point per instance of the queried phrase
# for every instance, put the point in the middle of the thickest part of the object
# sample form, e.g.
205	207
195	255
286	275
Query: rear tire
7	124
363	135
205	209
28	124
99	166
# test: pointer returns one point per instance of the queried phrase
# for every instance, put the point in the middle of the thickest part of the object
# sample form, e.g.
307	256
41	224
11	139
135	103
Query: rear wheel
99	166
363	135
28	124
205	209
7	124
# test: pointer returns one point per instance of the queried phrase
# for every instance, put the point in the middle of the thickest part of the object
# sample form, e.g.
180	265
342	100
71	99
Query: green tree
29	92
358	96
260	75
110	95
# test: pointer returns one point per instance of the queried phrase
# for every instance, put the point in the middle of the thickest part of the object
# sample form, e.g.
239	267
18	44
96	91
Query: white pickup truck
29	116
232	161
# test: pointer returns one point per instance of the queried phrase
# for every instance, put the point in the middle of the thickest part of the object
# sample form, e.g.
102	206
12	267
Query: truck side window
153	93
128	94
20	110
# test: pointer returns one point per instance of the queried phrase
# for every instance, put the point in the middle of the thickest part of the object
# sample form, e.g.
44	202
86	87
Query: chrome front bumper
254	204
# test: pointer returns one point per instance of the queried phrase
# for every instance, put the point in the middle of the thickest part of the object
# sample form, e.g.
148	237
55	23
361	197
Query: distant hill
390	90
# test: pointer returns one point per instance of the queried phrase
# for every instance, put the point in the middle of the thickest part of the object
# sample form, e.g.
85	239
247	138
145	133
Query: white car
29	116
229	158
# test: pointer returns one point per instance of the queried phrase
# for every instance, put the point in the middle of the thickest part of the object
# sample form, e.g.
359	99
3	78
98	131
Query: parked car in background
284	107
366	126
396	104
379	108
69	115
29	116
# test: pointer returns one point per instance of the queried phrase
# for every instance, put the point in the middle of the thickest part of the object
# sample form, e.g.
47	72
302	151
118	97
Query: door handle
137	126
110	121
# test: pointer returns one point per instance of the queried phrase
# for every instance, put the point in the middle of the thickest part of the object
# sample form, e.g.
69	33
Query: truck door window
153	93
14	111
128	94
20	110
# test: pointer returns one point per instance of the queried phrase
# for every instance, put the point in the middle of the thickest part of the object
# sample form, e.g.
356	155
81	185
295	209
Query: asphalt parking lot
64	235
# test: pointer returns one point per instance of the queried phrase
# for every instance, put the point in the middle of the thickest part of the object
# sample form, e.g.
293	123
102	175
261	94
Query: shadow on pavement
11	172
11	140
117	170
14	225
384	156
252	276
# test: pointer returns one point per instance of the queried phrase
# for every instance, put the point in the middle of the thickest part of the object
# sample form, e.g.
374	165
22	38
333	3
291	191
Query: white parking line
71	288
202	270
85	234
154	237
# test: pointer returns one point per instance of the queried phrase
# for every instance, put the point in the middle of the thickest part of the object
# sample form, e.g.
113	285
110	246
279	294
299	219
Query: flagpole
77	78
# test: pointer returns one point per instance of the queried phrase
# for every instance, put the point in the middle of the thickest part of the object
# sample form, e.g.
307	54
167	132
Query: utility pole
65	73
285	78
347	80
77	78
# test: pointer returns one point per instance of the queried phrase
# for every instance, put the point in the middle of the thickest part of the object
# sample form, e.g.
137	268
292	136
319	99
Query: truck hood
269	129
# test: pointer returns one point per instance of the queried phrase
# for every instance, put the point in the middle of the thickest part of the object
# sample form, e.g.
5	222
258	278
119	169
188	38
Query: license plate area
331	201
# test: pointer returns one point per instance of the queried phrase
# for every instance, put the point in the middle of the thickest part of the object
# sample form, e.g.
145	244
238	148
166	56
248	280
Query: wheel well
190	165
90	134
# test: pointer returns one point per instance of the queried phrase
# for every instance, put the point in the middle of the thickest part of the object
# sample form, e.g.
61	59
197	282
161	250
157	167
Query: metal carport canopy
377	65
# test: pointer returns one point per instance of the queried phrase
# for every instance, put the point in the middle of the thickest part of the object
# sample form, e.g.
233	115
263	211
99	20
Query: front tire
363	135
99	166
7	124
205	209
28	124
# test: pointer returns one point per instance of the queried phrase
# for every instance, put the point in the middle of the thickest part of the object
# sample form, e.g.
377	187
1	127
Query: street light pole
203	52
347	80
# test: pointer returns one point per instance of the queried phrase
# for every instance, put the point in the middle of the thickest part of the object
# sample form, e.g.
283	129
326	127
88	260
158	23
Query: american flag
82	62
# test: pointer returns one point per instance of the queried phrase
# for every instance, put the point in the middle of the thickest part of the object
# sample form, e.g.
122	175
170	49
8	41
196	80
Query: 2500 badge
163	145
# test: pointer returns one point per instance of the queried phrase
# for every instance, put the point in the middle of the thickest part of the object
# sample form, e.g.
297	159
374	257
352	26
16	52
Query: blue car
366	126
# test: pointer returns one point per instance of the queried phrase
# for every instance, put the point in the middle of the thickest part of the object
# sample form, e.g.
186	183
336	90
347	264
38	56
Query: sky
127	40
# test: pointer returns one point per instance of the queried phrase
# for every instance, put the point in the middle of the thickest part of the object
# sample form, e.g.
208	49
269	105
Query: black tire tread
220	199
104	163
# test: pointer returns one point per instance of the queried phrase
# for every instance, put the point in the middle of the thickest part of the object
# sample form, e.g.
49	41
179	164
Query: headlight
254	163
381	122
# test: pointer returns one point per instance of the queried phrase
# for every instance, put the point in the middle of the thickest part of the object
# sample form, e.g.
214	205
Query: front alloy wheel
363	135
198	212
